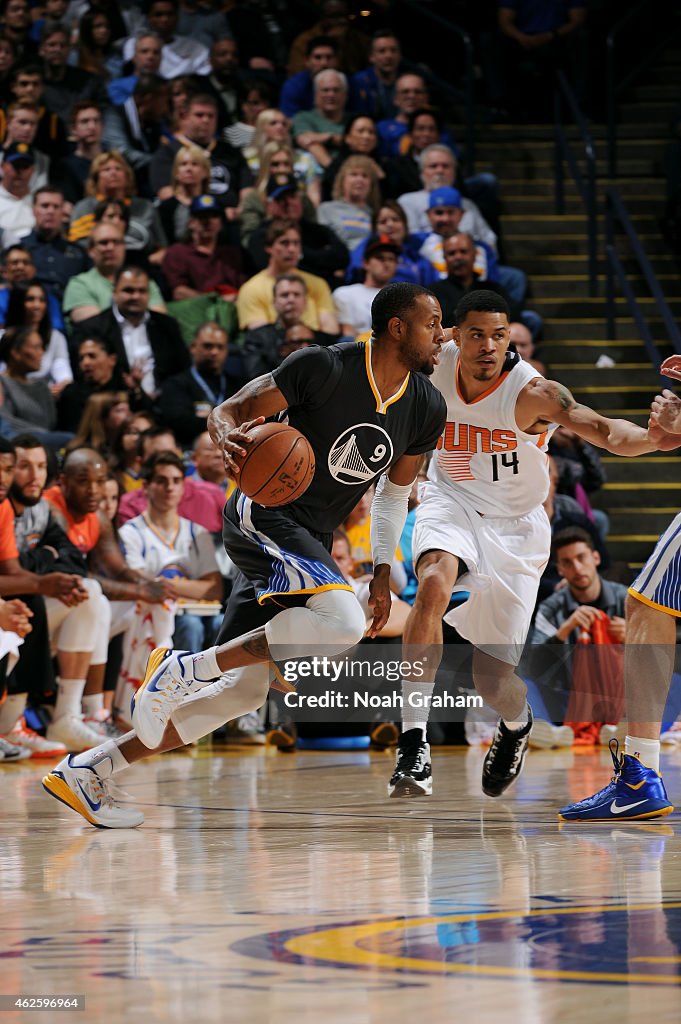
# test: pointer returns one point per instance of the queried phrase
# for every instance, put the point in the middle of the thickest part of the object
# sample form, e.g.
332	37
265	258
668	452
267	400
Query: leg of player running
499	686
437	572
81	781
648	666
637	790
332	620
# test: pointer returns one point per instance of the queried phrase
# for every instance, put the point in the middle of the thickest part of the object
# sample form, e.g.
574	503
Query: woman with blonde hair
277	160
272	128
112	177
190	177
356	198
102	416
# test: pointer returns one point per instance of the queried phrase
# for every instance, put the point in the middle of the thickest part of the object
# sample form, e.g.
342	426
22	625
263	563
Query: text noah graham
365	699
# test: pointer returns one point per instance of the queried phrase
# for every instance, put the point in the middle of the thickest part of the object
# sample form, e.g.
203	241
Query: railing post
559	184
469	107
592	222
611	111
609	271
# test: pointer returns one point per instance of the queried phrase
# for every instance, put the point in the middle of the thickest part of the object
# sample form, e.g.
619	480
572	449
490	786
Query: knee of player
434	588
340	618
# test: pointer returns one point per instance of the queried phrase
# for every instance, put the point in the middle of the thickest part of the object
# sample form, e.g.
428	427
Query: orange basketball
279	465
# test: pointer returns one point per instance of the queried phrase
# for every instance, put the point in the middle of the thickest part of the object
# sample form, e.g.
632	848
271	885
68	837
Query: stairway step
560	264
584	307
555	285
656	91
557	225
584	354
635	549
650	521
591	328
585	379
621	495
531	205
648	111
542	167
508	135
642	470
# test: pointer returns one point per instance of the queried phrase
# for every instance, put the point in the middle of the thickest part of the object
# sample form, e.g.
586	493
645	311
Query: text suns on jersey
359	454
461	445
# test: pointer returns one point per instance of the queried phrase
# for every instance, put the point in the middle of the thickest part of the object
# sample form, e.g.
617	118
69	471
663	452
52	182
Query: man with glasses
89	293
411	93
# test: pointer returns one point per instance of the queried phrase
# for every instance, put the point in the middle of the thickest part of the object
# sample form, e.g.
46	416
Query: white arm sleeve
388	516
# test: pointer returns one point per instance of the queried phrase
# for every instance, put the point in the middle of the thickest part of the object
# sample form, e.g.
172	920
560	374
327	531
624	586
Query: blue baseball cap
205	205
444	196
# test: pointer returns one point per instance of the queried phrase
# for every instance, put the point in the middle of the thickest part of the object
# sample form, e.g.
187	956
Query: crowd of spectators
189	192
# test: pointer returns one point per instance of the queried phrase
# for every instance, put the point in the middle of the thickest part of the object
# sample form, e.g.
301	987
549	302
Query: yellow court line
340	945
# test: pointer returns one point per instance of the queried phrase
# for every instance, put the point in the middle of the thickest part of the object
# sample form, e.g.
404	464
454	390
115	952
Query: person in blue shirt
17	265
297	92
372	89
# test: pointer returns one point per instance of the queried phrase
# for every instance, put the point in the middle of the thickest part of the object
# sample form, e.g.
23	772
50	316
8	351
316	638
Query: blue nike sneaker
635	792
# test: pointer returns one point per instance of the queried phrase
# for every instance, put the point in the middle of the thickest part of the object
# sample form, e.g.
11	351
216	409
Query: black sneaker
412	775
504	760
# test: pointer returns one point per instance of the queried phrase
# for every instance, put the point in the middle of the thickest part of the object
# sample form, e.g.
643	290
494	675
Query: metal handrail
615	211
469	75
612	88
586	184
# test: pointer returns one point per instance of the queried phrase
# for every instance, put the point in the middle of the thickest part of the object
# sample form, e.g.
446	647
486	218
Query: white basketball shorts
505	558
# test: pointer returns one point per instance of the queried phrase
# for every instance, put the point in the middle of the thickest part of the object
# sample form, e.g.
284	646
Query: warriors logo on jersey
360	453
355	433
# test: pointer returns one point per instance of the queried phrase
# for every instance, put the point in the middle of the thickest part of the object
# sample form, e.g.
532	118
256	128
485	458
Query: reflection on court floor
268	887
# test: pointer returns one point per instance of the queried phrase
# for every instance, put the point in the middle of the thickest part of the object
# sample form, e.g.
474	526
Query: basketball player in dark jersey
370	414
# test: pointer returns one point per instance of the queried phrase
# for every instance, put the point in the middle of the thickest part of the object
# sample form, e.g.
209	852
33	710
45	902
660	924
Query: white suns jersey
482	454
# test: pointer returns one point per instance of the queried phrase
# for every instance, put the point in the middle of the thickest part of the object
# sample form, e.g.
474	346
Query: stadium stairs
641	495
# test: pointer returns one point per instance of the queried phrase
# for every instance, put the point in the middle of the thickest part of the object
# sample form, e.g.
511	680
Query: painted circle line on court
606	944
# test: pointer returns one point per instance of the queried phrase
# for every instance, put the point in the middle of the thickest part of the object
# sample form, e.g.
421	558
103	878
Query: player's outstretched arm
544	402
229	423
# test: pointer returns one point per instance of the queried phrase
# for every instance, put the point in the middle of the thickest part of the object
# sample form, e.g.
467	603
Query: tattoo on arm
563	396
260	384
257	645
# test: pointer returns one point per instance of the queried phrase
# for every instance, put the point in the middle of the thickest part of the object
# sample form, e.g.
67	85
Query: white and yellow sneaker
93	798
167	681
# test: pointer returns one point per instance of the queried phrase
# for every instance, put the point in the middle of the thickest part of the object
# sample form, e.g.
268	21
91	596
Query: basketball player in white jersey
481	527
654	604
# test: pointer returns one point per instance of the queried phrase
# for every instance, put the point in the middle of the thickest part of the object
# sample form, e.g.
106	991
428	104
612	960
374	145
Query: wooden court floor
287	888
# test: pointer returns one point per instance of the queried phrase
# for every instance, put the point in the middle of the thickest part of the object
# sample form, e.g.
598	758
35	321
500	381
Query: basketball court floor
287	888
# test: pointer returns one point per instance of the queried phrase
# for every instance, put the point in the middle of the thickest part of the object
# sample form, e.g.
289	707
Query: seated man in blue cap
202	264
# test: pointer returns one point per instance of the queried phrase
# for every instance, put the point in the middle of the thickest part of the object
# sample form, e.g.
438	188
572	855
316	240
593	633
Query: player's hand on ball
379	599
234	445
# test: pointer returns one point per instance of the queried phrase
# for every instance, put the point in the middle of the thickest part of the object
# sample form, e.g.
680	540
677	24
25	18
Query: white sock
106	759
11	710
92	703
519	723
647	751
416	717
205	666
69	695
